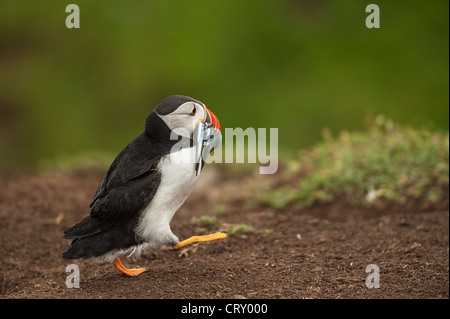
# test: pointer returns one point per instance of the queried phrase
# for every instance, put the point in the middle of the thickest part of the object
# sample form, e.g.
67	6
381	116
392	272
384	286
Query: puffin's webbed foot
129	272
198	239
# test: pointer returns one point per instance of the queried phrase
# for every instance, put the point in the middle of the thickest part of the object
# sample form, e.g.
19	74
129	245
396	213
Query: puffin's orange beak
212	119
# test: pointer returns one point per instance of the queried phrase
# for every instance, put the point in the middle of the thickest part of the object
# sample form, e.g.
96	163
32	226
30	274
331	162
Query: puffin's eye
194	110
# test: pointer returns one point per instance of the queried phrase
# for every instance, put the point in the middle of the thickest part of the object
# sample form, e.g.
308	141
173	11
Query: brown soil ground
320	252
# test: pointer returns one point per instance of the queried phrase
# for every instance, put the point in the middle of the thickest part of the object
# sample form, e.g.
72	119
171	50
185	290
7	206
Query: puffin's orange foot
129	272
197	239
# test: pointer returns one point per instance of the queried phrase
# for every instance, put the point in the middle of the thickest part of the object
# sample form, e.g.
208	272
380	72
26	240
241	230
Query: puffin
146	184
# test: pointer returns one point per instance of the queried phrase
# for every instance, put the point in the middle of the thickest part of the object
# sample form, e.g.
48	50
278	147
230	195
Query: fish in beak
207	136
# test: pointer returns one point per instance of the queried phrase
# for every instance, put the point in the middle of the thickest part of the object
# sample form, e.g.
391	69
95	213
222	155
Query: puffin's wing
129	186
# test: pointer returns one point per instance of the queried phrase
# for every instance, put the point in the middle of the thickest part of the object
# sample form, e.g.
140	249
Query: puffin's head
183	116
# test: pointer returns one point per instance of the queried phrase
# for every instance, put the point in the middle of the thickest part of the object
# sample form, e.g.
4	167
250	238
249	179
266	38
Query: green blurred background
299	65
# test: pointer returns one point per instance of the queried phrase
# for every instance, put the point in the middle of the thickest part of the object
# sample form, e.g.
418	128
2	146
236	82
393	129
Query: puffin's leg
197	239
129	272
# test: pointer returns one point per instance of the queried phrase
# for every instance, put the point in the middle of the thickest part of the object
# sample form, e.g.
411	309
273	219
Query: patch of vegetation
388	162
210	223
206	223
238	229
233	229
220	209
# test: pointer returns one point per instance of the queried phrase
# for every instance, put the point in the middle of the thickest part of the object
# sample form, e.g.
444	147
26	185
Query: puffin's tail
75	251
91	241
81	233
87	227
94	246
83	229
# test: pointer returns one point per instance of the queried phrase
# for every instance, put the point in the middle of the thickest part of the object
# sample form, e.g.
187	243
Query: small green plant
210	223
206	223
238	229
220	209
234	229
279	198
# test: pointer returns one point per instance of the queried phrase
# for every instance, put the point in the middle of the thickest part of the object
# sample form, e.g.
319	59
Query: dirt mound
320	252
